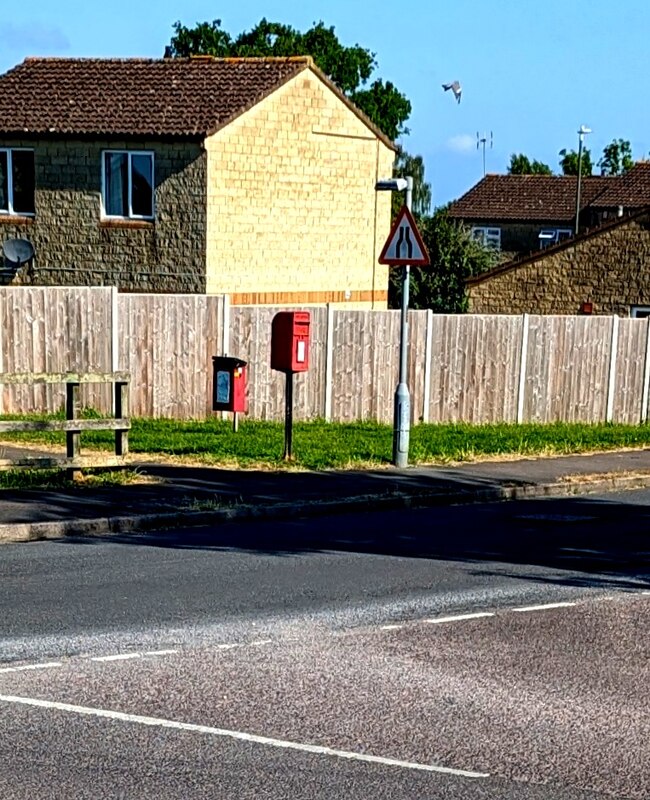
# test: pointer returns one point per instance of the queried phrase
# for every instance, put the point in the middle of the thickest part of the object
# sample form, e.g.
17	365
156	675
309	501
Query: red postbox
290	334
228	384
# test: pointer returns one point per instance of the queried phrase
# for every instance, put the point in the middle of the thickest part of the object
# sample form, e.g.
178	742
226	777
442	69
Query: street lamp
402	407
581	139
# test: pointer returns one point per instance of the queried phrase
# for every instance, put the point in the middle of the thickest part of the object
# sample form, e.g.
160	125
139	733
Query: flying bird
455	87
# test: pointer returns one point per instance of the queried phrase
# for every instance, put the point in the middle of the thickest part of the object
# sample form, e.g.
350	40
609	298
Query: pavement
198	496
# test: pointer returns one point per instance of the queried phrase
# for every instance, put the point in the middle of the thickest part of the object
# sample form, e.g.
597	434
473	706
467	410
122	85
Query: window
16	181
640	312
550	236
488	237
127	184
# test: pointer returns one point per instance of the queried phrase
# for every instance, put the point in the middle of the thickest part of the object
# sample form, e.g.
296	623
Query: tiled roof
534	198
631	190
160	97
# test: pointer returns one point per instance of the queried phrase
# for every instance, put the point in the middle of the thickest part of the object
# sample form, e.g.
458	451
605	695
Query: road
469	652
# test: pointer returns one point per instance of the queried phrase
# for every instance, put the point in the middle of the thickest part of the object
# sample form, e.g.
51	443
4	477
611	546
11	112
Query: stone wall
609	268
293	215
74	246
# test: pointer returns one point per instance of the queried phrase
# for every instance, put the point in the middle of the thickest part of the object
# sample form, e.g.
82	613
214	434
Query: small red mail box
290	341
228	384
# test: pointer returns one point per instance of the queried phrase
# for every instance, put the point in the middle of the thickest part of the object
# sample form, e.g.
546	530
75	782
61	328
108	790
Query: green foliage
405	165
569	162
454	255
617	158
520	164
350	68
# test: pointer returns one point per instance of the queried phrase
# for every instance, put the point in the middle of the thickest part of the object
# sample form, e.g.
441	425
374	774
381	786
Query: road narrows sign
404	244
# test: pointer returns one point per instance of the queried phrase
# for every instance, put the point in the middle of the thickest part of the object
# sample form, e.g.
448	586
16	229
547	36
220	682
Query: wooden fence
470	368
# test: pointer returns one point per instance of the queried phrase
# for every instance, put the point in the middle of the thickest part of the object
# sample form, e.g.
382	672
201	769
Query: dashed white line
227	646
261	642
118	657
27	667
160	652
391	627
459	617
238	735
543	607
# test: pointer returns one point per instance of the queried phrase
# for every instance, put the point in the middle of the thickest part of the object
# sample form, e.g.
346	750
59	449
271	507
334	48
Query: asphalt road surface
496	651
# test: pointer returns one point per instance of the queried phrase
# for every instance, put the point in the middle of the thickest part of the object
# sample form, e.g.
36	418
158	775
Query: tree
350	68
617	158
455	256
569	162
520	164
406	164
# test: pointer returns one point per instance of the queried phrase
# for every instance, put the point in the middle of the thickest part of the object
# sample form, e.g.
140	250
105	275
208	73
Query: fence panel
55	329
475	361
630	362
567	373
167	343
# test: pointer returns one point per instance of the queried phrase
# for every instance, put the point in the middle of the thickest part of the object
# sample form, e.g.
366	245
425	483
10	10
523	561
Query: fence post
523	363
121	404
611	380
426	393
646	376
115	337
72	437
329	356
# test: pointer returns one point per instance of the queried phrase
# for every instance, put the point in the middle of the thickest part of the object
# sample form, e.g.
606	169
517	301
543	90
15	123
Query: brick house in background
520	214
251	177
605	270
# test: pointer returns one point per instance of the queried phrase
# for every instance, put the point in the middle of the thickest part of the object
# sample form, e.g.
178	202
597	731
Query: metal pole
581	139
288	417
402	414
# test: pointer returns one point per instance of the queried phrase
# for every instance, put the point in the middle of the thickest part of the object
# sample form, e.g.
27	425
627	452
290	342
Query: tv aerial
482	141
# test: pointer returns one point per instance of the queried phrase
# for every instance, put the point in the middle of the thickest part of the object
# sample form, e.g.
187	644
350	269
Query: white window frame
129	154
490	237
550	236
10	212
639	312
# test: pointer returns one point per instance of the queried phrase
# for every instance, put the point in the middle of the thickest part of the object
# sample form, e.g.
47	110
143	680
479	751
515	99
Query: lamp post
402	406
581	139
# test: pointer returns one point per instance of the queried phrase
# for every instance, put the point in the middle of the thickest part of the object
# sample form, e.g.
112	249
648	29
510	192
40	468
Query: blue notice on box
223	387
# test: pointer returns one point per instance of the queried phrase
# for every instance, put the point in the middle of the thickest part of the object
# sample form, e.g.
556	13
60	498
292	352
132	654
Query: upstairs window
488	237
551	236
17	181
127	184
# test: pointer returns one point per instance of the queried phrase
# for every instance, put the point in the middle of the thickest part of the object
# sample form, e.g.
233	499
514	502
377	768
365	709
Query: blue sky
532	72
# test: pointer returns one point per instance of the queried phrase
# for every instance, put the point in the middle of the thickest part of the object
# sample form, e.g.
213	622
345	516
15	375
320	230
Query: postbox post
290	337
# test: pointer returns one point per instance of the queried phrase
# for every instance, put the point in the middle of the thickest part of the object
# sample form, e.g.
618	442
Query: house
605	270
519	214
252	177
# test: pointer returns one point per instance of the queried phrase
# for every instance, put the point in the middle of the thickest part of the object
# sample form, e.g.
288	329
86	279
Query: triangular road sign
404	244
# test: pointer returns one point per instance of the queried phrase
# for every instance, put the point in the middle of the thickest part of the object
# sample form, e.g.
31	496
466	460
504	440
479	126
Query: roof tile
186	97
536	198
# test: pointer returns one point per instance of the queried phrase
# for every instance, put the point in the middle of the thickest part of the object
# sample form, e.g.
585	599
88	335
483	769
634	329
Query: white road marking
459	617
118	657
261	642
160	652
227	646
27	667
544	607
390	627
157	722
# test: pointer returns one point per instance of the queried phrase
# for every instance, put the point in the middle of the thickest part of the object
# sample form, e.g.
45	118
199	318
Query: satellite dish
18	251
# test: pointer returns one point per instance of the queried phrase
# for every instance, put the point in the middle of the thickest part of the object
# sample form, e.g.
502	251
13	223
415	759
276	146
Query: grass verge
322	445
56	479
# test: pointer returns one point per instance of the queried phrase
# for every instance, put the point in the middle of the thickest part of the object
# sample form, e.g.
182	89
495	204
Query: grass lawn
321	445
